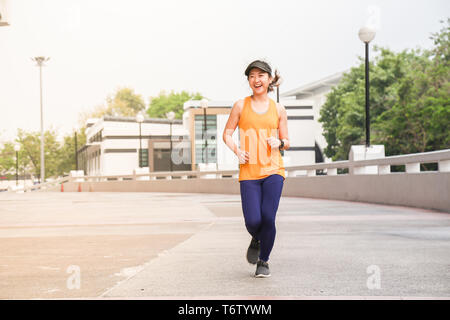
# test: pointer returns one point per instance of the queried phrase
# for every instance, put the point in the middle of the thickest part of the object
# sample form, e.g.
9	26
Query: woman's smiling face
259	81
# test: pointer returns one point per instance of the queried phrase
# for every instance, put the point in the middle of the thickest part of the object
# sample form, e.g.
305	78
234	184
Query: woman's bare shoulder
238	105
280	109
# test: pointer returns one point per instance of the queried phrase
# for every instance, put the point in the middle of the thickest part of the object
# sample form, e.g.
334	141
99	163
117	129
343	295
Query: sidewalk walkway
161	245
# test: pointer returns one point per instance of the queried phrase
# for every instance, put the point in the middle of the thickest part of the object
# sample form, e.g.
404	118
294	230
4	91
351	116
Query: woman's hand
273	142
243	156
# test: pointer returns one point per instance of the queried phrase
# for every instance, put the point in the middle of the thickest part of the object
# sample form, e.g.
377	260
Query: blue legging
260	199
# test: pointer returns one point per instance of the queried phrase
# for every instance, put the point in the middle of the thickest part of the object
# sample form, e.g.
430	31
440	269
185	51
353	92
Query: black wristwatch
281	145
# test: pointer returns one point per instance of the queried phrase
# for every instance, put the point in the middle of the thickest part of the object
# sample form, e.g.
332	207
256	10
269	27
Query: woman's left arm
283	127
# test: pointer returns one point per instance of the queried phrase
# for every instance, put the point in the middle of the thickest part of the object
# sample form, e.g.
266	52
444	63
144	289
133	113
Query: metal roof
146	120
308	89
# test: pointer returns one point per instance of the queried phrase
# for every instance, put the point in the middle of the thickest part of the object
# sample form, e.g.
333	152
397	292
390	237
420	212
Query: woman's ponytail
274	82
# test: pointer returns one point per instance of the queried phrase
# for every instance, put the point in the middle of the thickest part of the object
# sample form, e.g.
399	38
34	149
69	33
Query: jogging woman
263	133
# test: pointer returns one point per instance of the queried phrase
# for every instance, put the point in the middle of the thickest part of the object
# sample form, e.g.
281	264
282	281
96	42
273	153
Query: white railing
46	185
168	175
411	162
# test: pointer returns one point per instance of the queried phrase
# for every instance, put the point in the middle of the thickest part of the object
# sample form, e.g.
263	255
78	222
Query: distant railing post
444	166
332	172
384	169
412	167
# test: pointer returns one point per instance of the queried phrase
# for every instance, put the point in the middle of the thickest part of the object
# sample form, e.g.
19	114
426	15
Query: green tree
173	101
419	118
59	157
30	144
67	155
7	159
409	102
124	102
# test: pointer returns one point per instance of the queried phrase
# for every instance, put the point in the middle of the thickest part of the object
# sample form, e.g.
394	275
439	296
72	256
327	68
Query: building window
143	156
96	137
211	136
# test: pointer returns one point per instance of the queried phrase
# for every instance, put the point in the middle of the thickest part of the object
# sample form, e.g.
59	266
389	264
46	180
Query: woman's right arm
231	125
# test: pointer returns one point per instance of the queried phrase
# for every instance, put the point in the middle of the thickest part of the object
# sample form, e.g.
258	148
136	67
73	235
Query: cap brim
257	65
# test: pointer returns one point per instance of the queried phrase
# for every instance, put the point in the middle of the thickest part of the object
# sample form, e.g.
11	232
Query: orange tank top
254	129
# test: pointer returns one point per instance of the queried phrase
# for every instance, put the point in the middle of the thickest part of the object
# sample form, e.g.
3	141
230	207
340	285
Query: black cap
264	66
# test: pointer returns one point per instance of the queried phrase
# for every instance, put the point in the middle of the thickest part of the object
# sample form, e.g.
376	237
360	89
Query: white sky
97	46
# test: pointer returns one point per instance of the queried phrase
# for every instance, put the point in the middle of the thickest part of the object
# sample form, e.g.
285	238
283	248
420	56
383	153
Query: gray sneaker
253	251
262	269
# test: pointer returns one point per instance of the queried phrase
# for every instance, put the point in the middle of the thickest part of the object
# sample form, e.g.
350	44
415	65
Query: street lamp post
366	34
204	105
171	115
76	150
140	119
279	82
40	62
16	149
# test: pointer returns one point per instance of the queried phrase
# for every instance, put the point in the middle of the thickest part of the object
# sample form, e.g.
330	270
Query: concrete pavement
167	245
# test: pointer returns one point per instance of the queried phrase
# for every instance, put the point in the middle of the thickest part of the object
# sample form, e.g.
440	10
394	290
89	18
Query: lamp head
204	103
170	115
40	60
140	117
366	34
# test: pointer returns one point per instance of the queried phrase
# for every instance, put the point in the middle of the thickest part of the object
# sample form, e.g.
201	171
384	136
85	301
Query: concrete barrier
429	190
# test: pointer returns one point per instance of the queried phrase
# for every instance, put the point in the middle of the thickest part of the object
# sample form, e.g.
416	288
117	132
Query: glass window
211	139
143	157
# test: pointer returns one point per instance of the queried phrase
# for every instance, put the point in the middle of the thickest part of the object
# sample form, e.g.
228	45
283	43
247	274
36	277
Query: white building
113	145
315	93
4	13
